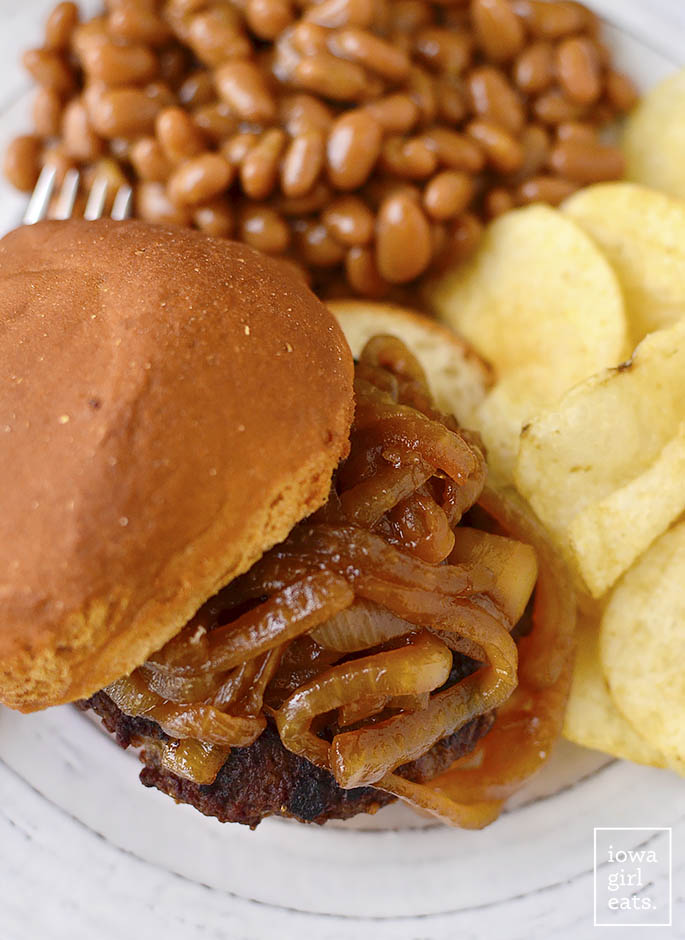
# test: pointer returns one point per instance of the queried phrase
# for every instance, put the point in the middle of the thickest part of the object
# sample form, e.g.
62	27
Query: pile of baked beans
366	140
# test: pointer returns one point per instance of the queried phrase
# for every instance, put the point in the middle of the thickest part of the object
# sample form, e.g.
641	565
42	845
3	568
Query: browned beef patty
265	779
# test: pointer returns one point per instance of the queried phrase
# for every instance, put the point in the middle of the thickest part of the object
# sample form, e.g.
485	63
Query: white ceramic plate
86	851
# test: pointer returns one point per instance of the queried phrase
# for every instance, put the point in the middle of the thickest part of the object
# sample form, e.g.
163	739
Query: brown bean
534	68
178	135
302	163
153	204
242	85
553	107
149	160
414	158
403	239
451	98
448	194
444	49
330	77
300	113
578	69
551	20
47	112
316	245
116	64
362	273
549	189
408	16
124	112
504	152
498	201
422	91
237	147
21	165
161	94
463	237
264	229
576	130
216	34
370	51
268	18
396	114
60	25
216	121
621	91
536	147
495	100
56	156
349	220
94	31
197	89
585	162
499	32
199	179
173	65
306	38
215	218
313	201
352	148
80	141
49	69
335	13
259	169
454	150
136	22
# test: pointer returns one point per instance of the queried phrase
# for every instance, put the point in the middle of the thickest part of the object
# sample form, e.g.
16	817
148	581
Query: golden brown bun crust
170	406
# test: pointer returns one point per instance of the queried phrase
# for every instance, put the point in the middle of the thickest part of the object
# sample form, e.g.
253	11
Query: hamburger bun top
170	406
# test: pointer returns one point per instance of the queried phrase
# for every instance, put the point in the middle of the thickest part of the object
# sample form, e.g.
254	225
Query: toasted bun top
170	406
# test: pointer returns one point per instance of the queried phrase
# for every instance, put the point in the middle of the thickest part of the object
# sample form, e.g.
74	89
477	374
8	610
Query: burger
277	571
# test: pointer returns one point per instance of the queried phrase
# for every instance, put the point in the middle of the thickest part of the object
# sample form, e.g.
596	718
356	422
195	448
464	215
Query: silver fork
39	202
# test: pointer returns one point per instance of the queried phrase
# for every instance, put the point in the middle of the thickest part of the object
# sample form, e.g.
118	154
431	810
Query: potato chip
642	645
592	718
539	302
654	138
642	234
618	431
458	377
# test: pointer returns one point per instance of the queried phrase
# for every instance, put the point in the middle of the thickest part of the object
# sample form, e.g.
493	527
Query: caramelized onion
195	760
424	799
132	695
359	627
207	724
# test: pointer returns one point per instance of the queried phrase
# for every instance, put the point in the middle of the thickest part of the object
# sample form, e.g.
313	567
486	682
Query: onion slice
359	627
208	724
420	797
195	760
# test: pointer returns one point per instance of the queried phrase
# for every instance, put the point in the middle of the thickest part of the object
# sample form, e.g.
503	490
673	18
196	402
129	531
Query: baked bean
396	114
173	65
302	162
268	18
178	135
408	16
313	201
444	49
236	148
161	94
197	89
551	20
216	121
216	35
264	229
80	141
85	34
553	107
503	151
454	150
362	273
243	87
463	237
49	69
499	31
414	158
576	130
108	170
47	112
300	113
534	68
349	220
149	160
116	64
59	26
215	218
153	204
199	180
135	22
316	245
375	54
259	169
621	91
451	100
550	189
335	13
587	162
536	146
448	194
124	112
326	75
495	100
578	69
498	201
422	91
403	239
22	162
352	148
56	156
306	38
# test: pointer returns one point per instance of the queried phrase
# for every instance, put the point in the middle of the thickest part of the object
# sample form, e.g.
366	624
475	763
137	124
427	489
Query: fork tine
67	196
96	199
37	208
122	203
